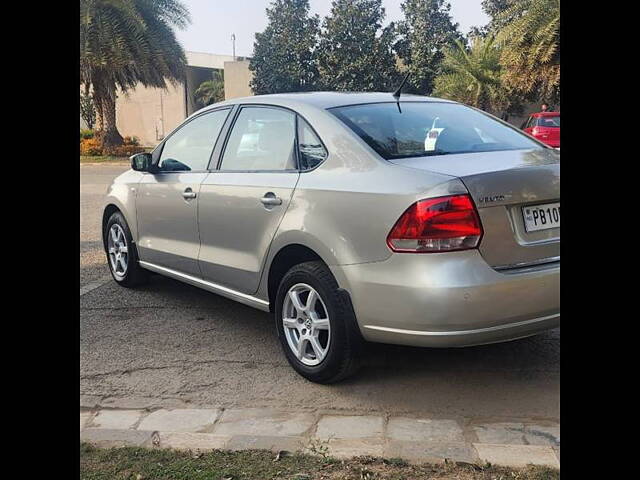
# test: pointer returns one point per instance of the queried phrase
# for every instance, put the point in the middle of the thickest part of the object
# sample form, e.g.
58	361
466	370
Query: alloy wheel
306	324
118	250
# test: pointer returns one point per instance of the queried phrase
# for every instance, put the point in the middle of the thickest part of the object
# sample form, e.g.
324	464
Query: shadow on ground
170	340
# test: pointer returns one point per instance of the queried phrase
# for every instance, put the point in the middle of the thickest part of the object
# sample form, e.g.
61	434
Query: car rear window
553	122
415	129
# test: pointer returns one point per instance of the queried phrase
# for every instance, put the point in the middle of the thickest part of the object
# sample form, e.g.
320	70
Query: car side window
312	153
262	138
190	147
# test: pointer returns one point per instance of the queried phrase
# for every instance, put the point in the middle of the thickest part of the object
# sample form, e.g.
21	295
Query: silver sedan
352	218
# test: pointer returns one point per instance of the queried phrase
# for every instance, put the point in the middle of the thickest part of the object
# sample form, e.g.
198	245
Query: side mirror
141	162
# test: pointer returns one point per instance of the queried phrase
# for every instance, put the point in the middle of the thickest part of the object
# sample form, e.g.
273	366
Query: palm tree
126	42
530	37
211	91
473	75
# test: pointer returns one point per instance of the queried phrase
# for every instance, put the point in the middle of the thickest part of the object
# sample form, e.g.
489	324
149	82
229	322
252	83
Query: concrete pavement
339	435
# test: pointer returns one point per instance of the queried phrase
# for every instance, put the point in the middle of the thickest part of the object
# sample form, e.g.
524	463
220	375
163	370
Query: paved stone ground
338	435
170	345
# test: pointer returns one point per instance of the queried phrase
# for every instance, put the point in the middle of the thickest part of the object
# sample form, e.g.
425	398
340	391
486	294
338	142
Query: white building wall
152	113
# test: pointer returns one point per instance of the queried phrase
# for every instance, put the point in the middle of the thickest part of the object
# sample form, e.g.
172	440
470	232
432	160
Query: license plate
541	217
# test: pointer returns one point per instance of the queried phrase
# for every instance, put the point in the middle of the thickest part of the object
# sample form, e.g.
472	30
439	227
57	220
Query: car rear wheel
315	324
122	255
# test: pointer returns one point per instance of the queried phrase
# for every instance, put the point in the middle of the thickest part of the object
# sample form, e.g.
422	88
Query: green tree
476	31
284	54
211	91
473	76
87	109
495	11
530	37
124	43
424	34
356	52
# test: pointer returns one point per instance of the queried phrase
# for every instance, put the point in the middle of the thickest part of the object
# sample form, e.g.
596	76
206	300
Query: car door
243	202
167	201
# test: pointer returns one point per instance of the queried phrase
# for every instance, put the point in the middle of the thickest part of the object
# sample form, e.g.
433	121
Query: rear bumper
464	338
450	299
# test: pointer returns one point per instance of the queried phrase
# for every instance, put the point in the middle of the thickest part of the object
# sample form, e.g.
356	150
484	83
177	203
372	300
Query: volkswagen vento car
351	217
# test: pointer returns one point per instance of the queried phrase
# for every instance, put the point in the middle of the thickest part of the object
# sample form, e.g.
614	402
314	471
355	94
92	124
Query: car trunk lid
501	184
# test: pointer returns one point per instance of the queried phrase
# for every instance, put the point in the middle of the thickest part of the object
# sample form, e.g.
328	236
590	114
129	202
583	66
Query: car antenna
398	91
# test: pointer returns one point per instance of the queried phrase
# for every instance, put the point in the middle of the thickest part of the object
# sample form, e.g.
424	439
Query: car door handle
188	194
270	200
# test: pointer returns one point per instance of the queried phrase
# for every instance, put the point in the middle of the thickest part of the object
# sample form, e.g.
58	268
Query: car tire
342	342
132	274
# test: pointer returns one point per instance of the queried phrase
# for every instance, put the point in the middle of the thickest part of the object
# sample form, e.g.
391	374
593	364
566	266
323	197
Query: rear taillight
437	225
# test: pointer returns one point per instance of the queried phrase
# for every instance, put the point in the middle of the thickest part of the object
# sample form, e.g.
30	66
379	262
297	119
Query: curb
417	440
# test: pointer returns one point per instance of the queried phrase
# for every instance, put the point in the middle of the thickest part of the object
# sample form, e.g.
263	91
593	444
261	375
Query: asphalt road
172	344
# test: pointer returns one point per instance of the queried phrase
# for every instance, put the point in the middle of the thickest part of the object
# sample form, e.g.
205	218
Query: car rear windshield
415	129
553	122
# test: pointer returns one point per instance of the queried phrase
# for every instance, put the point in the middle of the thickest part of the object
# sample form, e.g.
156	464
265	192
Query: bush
86	133
90	146
126	150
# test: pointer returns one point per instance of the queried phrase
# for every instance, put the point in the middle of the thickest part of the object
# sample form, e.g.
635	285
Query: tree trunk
110	136
99	114
98	96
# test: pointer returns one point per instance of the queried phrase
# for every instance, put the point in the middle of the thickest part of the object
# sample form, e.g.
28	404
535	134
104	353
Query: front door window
189	148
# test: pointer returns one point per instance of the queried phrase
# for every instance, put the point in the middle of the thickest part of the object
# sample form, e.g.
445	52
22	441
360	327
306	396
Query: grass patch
133	463
102	159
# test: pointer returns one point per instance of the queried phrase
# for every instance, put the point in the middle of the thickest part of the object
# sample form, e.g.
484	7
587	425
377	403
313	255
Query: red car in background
545	126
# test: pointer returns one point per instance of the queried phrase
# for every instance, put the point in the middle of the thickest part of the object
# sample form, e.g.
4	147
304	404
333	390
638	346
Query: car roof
329	99
546	114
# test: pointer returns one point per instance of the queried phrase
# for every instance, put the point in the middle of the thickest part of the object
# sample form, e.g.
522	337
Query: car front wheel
315	324
122	255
